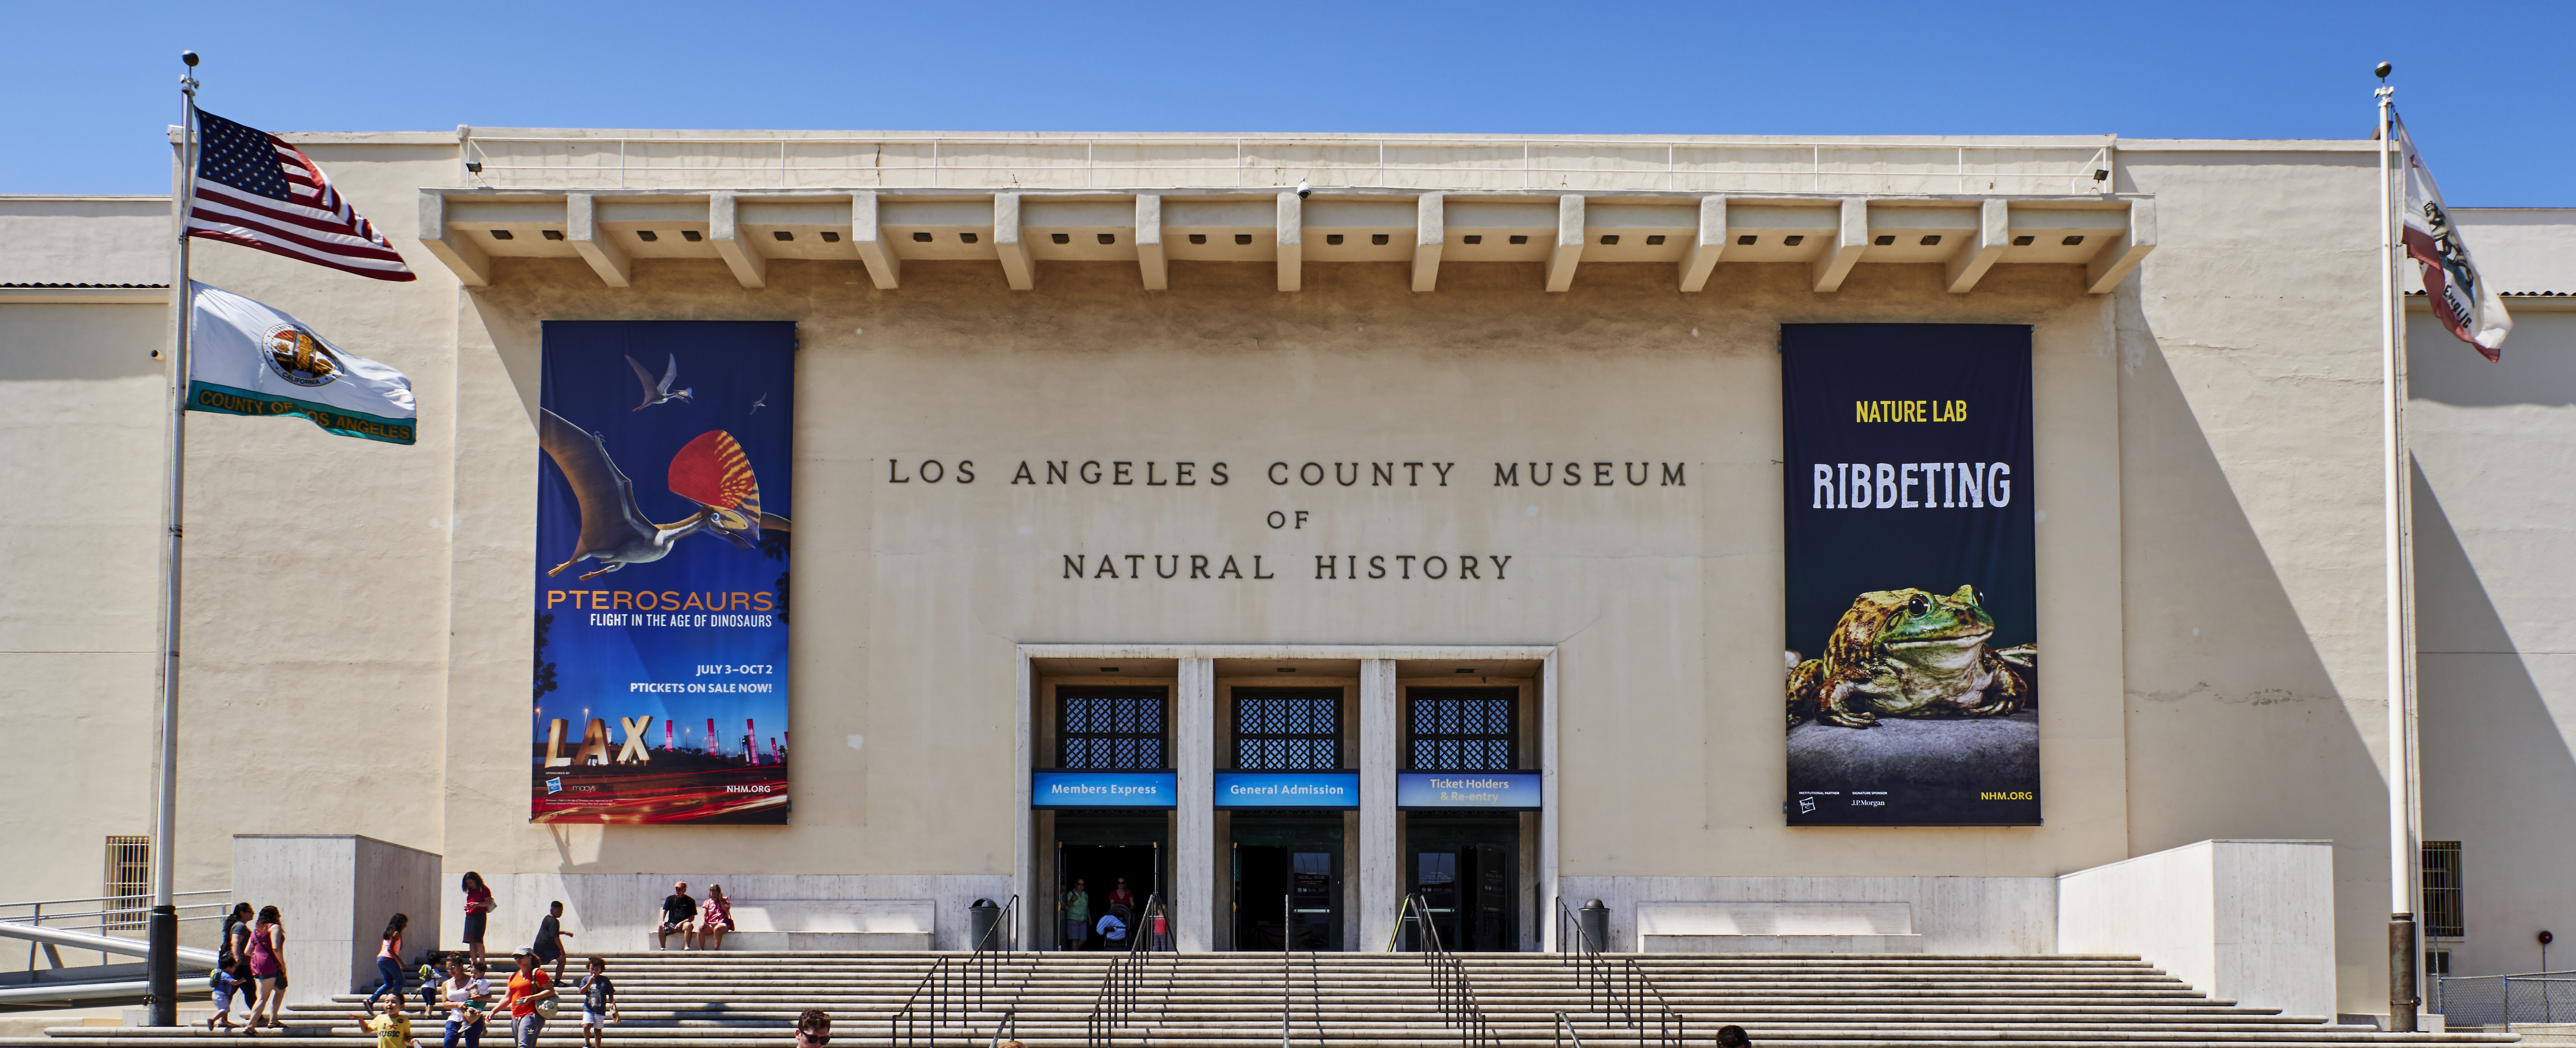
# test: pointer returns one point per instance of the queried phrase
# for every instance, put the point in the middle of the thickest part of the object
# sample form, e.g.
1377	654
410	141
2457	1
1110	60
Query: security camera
1304	190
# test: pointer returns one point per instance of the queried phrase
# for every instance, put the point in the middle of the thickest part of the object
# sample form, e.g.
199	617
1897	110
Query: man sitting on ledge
679	914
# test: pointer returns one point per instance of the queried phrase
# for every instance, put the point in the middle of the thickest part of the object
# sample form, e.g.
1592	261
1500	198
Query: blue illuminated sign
1050	788
1287	789
1487	790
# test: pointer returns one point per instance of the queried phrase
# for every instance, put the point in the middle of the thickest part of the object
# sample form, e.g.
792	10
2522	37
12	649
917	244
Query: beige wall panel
86	240
82	410
1952	914
2250	450
2494	519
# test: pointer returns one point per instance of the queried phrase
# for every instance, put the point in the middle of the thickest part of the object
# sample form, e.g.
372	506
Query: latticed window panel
1461	729
2443	918
128	882
1112	729
1283	730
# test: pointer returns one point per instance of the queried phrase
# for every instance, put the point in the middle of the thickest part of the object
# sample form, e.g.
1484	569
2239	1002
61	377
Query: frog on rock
1909	653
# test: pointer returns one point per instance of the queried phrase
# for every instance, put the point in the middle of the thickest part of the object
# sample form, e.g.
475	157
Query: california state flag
2460	296
248	358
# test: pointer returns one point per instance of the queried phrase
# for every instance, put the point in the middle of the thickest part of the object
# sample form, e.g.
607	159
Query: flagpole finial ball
190	57
2382	70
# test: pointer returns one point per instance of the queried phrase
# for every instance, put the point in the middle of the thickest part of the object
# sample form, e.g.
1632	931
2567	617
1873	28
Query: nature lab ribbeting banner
661	576
1913	673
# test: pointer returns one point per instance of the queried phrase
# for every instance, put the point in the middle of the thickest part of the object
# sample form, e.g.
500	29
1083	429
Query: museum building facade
1280	528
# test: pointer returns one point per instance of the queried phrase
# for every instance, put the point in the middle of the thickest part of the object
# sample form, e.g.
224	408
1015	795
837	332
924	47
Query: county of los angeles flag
247	358
2460	295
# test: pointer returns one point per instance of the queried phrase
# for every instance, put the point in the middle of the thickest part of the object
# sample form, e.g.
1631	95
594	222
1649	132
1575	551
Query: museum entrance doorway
1105	853
1466	868
1287	888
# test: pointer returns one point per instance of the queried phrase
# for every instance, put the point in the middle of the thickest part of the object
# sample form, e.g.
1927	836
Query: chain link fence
2540	1006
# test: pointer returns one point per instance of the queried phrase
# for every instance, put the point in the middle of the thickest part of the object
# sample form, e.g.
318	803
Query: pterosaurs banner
663	509
1913	662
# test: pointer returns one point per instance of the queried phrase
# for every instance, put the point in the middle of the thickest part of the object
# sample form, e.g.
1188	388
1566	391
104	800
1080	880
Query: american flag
255	190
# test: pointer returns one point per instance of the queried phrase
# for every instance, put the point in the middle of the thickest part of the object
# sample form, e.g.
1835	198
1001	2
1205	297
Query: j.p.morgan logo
296	356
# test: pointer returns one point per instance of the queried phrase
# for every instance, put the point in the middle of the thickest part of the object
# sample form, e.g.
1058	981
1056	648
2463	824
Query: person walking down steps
465	996
267	956
598	1004
531	996
550	937
389	973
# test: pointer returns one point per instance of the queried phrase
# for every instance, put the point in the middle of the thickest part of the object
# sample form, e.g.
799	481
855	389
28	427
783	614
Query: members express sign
1102	789
1494	790
1287	789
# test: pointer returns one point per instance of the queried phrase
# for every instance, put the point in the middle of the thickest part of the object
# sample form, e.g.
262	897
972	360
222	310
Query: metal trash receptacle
982	919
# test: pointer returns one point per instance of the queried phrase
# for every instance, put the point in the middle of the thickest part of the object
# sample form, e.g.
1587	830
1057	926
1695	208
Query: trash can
1595	921
982	920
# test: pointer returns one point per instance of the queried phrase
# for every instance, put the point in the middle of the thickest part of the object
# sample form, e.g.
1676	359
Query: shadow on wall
2491	751
2235	728
2539	365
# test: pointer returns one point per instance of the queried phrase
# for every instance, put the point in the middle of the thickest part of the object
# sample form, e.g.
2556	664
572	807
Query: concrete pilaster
1194	825
1380	868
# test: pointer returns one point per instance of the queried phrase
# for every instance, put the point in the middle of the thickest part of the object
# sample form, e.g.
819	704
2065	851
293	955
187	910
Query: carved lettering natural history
1297	475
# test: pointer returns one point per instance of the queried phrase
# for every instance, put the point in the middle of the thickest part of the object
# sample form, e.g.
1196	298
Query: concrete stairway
747	1000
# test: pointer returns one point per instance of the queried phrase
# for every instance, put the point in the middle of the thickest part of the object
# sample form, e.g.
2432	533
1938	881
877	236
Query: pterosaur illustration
758	404
658	392
711	471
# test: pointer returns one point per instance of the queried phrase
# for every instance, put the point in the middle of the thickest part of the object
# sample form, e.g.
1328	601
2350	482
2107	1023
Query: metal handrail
115	898
106	917
983	966
907	1021
1009	1026
1589	973
1565	1031
1451	992
1620	993
1122	986
1315	994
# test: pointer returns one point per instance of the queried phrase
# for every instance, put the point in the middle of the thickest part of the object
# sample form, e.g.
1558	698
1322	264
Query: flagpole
161	964
2402	846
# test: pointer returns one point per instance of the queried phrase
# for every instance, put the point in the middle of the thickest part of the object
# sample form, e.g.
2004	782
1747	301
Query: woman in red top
478	905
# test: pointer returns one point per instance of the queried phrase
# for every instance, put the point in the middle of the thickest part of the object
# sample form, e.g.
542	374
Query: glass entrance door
1287	883
1468	874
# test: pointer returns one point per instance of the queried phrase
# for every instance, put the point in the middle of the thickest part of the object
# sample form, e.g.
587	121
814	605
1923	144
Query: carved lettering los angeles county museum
1442	566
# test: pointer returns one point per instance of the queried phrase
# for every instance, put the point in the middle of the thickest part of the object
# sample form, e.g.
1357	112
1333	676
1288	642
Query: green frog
1909	653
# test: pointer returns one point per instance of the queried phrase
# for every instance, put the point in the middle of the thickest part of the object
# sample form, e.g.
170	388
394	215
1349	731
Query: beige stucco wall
358	624
82	405
2497	674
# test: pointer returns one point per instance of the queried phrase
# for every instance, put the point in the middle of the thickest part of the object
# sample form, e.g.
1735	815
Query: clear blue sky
2487	88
